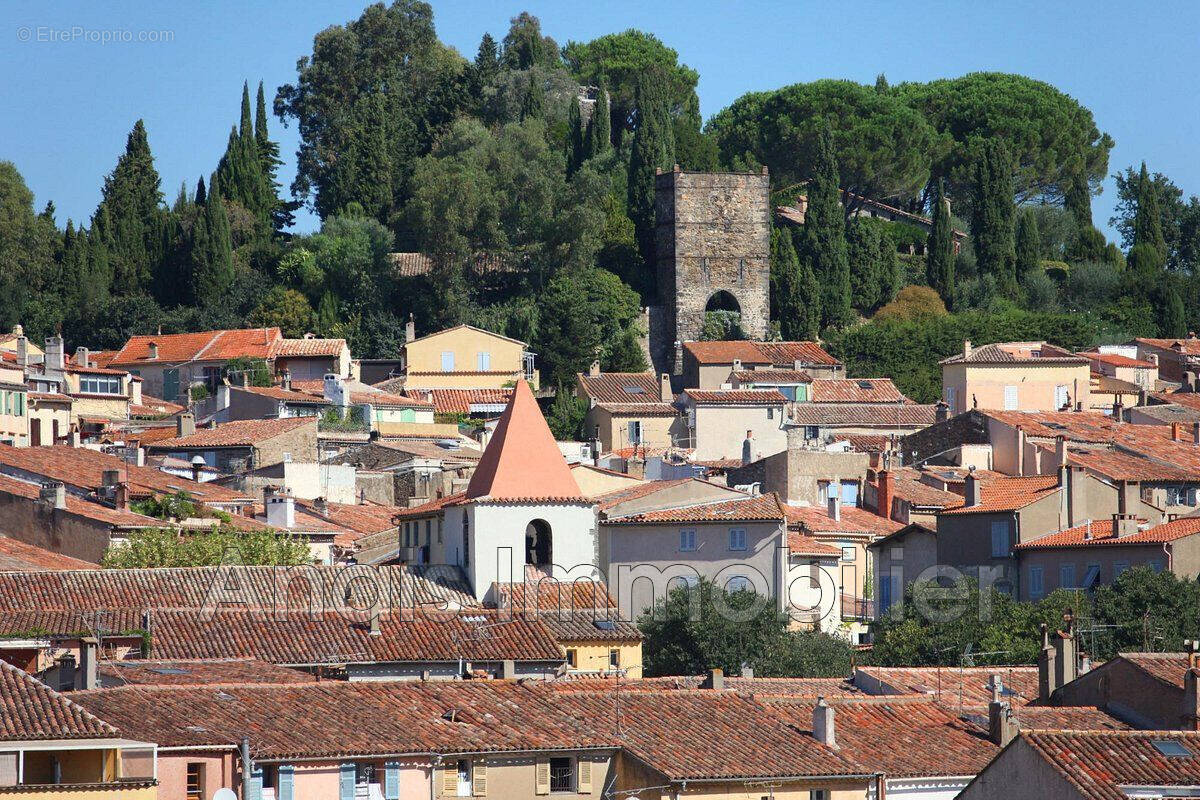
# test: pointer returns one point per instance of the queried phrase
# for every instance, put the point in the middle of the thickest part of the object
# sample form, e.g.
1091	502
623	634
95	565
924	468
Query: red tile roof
1099	533
907	485
185	672
727	352
459	401
549	594
772	376
1169	668
1076	426
816	519
636	491
623	387
1100	764
1121	466
286	395
153	407
431	507
1029	353
306	348
801	545
1009	494
968	687
16	556
78	506
856	390
784	354
202	346
30	710
1116	359
762	508
238	433
877	415
522	459
1191	345
735	397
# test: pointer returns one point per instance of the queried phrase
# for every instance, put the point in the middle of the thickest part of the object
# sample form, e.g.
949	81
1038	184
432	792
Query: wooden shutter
391	780
479	778
542	776
285	781
583	784
346	782
256	781
450	779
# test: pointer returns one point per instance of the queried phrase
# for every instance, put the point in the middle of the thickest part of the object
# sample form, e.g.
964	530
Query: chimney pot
594	368
835	505
185	424
823	724
966	348
883	495
715	679
1176	432
410	329
664	388
974	491
152	347
747	670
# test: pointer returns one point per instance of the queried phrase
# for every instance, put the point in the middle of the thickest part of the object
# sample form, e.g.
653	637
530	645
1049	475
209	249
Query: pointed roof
522	461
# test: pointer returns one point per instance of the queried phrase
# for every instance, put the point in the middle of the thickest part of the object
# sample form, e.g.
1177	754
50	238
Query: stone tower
713	240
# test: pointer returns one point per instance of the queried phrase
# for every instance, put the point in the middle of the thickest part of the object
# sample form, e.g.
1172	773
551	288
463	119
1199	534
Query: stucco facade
1024	386
616	430
465	357
718	431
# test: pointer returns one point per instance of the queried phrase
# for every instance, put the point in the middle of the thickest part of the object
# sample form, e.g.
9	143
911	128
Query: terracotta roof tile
301	348
609	500
907	485
78	506
735	397
761	508
623	387
1169	668
286	395
1030	353
816	520
1121	466
1191	345
968	687
877	415
1099	533
1100	764
549	594
772	376
1116	360
856	390
801	545
1009	494
460	401
589	626
788	353
238	433
640	409
16	556
727	352
31	710
185	672
219	345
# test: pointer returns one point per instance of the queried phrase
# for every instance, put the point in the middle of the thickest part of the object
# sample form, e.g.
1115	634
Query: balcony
80	769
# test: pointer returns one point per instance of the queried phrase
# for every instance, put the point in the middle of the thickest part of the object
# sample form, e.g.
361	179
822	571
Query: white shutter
584	781
479	778
450	779
542	776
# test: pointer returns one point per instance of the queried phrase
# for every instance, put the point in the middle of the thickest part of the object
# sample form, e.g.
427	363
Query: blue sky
68	105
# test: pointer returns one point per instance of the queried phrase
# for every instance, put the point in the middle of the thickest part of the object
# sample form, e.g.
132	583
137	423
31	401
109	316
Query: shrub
912	303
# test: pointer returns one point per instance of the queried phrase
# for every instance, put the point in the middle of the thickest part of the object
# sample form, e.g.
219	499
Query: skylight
634	390
1171	748
604	624
169	670
866	385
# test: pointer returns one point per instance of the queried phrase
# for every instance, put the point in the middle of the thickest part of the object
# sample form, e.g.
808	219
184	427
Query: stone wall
713	234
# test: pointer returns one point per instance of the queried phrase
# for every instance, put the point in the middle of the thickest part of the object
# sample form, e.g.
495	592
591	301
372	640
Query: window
427	533
687	540
447	361
738	583
812	432
770	412
848	552
195	781
1061	397
823	492
19	404
635	431
1037	586
483	361
100	384
1066	576
464	777
614	659
1092	576
951	397
1119	567
818	794
850	493
737	538
1010	398
572	657
1171	748
1000	546
466	540
562	775
364	773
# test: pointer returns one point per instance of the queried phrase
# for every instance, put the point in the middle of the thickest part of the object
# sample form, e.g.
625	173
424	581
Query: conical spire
522	461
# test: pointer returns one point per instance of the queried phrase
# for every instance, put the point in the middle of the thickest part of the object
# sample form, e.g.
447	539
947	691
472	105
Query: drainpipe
247	767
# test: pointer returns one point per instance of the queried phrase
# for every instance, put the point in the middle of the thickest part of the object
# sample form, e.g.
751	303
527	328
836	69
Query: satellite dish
224	793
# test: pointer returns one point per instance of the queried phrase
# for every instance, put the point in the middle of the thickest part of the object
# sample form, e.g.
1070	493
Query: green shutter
285	781
391	780
347	781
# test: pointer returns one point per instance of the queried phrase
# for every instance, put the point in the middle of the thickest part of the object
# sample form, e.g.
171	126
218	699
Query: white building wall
497	534
813	590
720	430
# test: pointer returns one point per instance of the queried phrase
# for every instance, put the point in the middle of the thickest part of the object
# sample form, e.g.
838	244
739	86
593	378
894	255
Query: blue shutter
347	781
255	783
391	780
285	779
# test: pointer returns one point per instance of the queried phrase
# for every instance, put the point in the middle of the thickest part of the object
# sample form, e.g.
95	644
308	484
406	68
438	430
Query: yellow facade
89	403
115	792
595	656
464	357
1025	386
613	430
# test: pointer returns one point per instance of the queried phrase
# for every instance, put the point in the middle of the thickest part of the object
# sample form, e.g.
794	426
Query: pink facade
313	780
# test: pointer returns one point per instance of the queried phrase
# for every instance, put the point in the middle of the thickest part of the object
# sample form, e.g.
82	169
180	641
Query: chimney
54	353
1066	661
22	348
1020	450
664	388
941	411
152	347
974	491
285	380
1124	525
1077	487
1129	496
1047	668
53	494
197	467
747	670
374	626
185	424
737	365
135	390
1176	432
81	357
883	495
715	679
1118	411
281	508
410	329
1060	451
1196	433
835	505
1002	725
594	368
823	723
966	348
137	457
335	391
89	654
121	496
110	478
321	507
748	448
508	669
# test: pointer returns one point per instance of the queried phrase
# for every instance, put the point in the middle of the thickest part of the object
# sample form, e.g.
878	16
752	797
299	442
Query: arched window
538	547
723	301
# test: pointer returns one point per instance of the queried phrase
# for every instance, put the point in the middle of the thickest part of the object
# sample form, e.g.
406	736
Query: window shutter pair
450	779
391	780
542	776
256	781
346	782
479	778
285	782
583	784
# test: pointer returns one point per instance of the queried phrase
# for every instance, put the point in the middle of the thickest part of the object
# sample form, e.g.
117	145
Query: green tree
576	137
599	131
653	149
168	547
795	295
525	47
287	310
1028	245
212	250
566	416
824	236
992	212
891	273
132	203
1147	223
256	371
1172	317
863	238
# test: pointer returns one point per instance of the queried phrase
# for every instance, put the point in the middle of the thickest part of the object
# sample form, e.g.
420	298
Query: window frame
1065	570
1037	581
736	535
1012	397
196	793
614	658
567	771
1005	548
690	534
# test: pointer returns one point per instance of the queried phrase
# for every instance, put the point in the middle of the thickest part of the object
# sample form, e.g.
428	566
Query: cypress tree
575	137
825	234
212	251
1172	317
939	248
131	198
327	313
653	148
881	84
533	106
863	251
992	213
793	289
487	63
282	212
1078	200
599	132
201	194
891	277
1029	244
1147	222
